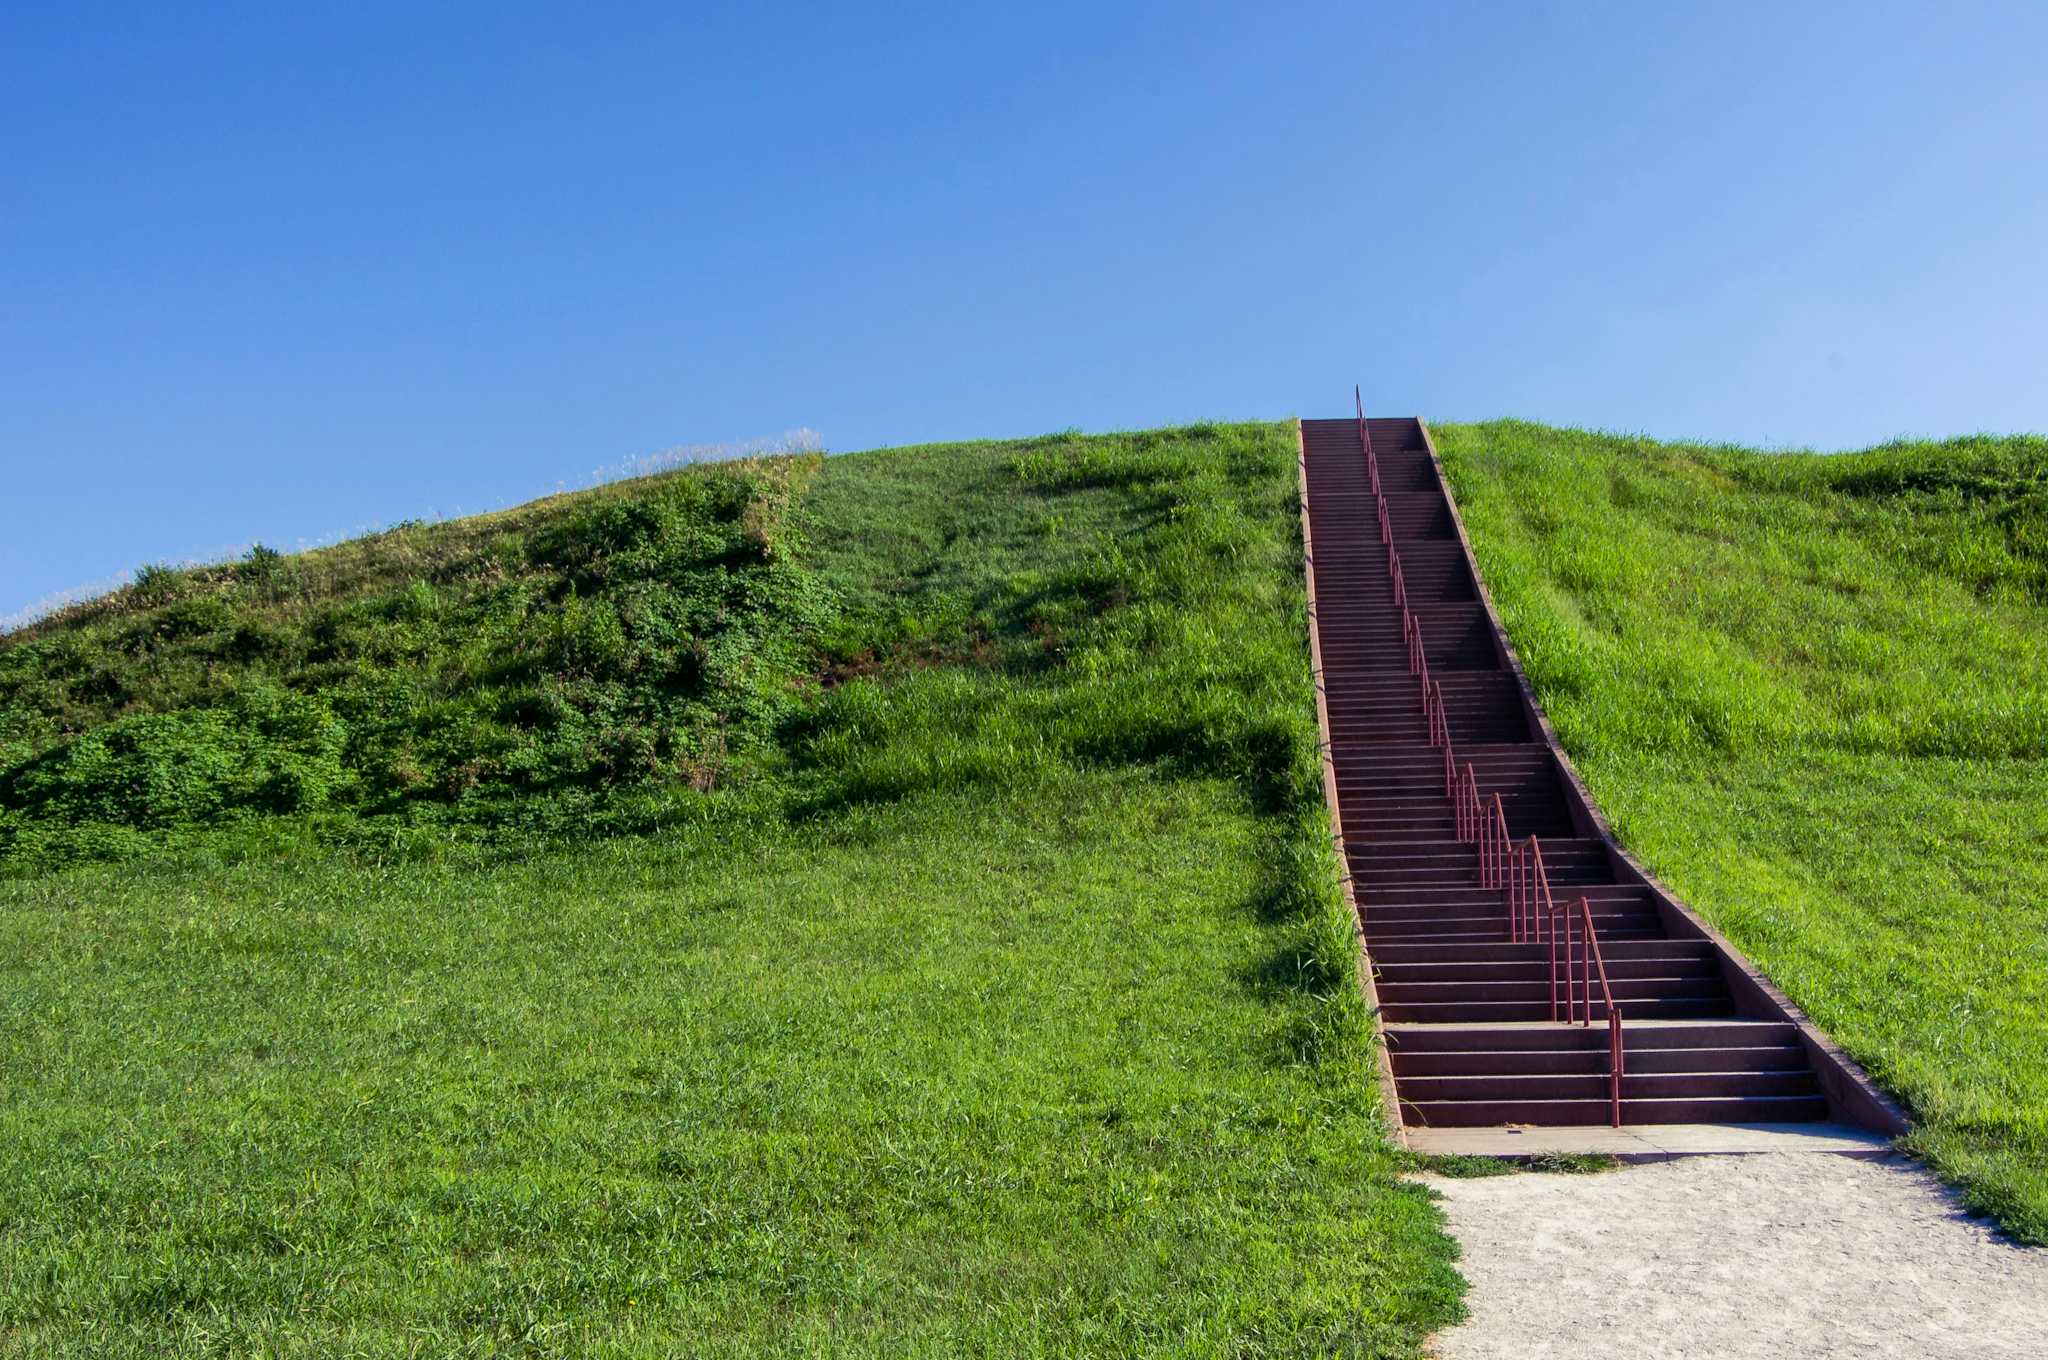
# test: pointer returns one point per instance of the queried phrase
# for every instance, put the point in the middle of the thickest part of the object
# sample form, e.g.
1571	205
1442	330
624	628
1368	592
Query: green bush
619	640
264	751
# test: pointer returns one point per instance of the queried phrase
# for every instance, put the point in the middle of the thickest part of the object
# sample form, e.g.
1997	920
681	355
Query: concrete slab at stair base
1635	1143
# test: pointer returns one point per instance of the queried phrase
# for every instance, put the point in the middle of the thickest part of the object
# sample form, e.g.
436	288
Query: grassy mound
569	664
1812	693
880	906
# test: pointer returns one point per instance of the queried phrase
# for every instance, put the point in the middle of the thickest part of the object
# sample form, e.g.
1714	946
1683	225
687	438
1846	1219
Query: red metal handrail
1493	844
1525	872
1485	822
1418	654
1591	964
1517	869
1533	914
1466	805
1372	464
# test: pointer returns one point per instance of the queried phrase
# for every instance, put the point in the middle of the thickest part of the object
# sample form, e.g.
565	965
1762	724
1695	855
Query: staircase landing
1638	1143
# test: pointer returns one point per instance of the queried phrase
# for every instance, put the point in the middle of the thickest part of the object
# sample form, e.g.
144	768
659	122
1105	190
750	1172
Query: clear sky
280	272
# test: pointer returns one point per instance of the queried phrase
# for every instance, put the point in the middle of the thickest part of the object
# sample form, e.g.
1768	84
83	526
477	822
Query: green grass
873	908
1465	1166
597	661
1811	692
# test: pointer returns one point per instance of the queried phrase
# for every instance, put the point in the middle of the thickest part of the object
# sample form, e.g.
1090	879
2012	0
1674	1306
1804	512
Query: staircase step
1481	1062
1538	970
1403	1038
1698	1110
1594	1086
1533	951
1705	1006
1627	991
1385	925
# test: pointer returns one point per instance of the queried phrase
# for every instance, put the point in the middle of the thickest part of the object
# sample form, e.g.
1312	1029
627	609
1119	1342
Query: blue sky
278	273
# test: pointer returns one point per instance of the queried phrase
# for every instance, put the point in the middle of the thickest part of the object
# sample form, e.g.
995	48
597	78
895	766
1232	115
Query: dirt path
1787	1254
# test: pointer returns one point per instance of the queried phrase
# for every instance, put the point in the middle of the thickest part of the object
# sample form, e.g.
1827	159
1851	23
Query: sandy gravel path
1784	1254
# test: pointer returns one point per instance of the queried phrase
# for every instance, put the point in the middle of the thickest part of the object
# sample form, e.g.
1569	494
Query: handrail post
1523	884
1586	961
1500	841
1586	958
1483	842
1585	966
1571	996
1552	915
1509	863
1522	873
1571	974
1586	1000
1485	847
1515	893
1485	851
1520	870
1614	1059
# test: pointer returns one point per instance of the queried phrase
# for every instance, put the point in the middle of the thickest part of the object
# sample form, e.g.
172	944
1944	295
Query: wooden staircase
1470	1012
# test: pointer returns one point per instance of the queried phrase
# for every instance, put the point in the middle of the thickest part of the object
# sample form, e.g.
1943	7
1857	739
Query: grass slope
881	907
589	661
1812	693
